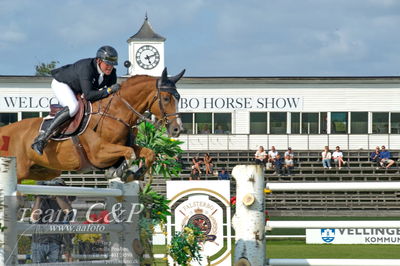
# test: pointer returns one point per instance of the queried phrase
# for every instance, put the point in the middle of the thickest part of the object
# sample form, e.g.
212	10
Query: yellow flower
158	213
165	233
186	249
165	258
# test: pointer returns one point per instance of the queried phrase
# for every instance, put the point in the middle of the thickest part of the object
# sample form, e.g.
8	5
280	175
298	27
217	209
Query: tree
44	69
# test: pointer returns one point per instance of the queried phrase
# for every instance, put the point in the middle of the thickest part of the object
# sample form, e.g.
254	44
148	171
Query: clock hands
148	57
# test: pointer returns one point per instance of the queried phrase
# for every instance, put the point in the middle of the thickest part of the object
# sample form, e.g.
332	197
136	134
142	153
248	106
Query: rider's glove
114	88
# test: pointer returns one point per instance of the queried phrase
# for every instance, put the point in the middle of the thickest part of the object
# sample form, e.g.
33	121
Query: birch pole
8	212
249	219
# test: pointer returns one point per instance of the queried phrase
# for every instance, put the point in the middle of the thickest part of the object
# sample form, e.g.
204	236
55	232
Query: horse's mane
135	80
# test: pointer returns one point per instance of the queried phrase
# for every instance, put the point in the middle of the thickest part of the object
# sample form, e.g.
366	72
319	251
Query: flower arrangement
155	212
185	245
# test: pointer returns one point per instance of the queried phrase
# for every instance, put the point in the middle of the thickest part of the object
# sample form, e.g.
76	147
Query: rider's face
106	68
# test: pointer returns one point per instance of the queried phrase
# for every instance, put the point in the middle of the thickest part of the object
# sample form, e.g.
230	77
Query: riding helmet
108	54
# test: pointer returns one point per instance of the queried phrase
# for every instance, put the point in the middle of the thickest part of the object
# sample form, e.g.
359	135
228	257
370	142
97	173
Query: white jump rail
69	191
332	224
334	186
333	262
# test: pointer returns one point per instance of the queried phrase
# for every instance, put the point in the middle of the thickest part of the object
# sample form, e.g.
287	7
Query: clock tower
146	51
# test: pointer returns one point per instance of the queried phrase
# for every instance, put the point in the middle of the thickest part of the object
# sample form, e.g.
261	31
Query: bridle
161	122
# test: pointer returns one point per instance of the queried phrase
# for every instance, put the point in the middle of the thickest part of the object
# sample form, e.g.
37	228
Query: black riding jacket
82	77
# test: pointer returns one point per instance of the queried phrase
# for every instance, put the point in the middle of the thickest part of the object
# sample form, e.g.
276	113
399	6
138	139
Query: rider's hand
114	88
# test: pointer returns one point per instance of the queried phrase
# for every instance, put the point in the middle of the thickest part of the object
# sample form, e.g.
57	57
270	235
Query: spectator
219	130
223	175
278	165
337	157
51	210
375	157
208	163
272	155
326	158
289	164
385	158
290	153
197	163
194	175
260	156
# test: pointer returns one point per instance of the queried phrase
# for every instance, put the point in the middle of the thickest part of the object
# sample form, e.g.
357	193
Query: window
380	123
258	123
30	114
339	122
187	120
203	123
278	122
8	118
295	123
395	123
309	123
222	123
323	124
359	123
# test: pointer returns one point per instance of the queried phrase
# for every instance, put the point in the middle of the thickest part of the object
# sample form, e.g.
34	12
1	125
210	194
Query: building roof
146	33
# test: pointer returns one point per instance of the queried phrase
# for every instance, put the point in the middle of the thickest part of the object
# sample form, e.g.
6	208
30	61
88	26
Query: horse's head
167	108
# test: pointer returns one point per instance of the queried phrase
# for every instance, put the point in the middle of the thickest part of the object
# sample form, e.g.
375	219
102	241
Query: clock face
147	57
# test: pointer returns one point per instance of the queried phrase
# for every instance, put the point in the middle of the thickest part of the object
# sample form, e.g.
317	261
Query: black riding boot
40	142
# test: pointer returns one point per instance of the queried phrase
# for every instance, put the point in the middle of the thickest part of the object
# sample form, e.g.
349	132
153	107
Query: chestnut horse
106	135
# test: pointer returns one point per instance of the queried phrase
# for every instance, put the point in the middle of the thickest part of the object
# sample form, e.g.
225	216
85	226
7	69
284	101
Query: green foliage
155	212
185	245
156	204
44	69
165	148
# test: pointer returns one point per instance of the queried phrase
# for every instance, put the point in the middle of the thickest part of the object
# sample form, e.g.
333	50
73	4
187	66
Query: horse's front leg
104	154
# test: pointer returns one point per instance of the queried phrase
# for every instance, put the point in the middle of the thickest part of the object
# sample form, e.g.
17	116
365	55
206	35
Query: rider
94	78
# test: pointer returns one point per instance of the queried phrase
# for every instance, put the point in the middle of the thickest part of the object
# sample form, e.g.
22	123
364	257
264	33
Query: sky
210	37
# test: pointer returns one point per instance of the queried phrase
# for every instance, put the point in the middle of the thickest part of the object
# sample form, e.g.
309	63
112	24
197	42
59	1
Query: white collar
99	70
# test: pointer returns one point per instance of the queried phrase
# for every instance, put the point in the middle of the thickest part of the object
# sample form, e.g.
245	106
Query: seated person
194	175
385	158
326	157
278	165
223	175
290	153
272	155
219	130
205	129
208	163
375	157
337	157
260	156
197	163
288	165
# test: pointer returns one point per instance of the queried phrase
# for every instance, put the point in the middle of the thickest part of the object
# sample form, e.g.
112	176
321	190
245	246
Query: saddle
75	126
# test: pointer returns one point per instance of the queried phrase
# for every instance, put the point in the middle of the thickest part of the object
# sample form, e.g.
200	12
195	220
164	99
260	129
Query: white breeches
65	96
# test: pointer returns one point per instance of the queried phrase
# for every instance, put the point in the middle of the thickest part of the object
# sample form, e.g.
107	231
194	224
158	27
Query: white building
241	113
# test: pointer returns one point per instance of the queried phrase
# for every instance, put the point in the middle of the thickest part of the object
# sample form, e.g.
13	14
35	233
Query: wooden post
249	219
8	211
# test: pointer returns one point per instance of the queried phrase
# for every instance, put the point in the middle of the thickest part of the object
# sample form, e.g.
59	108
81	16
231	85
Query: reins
163	121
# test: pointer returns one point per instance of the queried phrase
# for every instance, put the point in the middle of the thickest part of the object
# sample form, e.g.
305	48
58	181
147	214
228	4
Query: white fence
124	233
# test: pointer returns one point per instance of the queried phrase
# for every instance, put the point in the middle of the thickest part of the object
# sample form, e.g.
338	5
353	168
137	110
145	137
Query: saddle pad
75	127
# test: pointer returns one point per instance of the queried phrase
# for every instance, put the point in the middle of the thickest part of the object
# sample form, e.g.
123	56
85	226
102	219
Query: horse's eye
166	99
